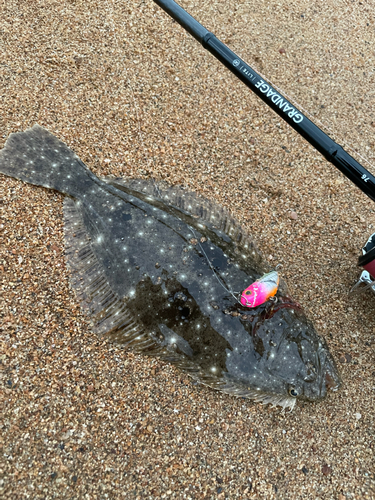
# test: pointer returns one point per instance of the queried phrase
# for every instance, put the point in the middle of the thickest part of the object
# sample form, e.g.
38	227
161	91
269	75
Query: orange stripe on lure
261	290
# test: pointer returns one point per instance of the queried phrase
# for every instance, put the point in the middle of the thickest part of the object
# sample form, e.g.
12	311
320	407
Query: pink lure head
261	290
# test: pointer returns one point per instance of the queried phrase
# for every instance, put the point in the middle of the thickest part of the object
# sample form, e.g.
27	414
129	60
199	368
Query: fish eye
248	292
293	392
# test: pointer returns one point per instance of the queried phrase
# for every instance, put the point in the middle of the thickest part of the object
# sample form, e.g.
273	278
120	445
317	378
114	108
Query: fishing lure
261	290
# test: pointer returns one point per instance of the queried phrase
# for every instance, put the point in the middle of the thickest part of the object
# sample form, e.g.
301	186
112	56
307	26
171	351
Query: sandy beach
134	95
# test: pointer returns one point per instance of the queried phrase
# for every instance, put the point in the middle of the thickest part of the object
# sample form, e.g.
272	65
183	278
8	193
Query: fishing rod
332	151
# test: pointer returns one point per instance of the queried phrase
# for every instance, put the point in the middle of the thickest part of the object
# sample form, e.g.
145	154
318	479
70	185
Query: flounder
161	270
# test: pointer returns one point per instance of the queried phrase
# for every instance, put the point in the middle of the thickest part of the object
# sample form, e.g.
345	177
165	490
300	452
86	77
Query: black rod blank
332	151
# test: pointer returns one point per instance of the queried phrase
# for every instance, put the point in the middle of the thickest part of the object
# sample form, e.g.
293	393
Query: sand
134	95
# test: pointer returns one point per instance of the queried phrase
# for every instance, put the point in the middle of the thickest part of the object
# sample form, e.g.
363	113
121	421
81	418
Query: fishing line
214	271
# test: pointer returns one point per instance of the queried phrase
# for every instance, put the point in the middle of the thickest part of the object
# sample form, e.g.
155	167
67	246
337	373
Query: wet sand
134	95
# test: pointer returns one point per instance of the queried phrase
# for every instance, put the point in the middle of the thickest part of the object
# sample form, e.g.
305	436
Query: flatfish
161	270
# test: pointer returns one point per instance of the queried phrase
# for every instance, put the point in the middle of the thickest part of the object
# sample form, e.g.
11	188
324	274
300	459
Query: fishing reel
367	261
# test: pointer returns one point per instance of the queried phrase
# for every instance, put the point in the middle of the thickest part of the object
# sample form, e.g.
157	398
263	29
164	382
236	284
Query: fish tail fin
36	156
